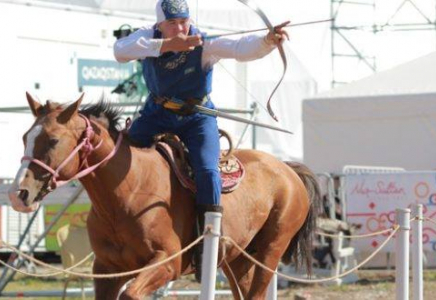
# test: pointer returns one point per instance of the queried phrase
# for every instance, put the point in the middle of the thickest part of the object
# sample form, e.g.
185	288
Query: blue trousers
200	135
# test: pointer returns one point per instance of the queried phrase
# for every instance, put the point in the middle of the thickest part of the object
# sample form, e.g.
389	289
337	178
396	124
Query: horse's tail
300	248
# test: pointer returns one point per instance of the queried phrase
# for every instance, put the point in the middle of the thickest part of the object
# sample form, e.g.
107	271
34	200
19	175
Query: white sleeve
138	45
246	48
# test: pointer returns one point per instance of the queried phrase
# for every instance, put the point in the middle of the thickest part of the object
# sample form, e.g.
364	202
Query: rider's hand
181	43
279	35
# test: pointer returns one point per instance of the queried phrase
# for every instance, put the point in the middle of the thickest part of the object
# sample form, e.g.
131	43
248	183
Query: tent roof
414	77
132	6
210	14
86	3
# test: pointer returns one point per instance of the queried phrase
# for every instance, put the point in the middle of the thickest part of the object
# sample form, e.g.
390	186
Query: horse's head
48	144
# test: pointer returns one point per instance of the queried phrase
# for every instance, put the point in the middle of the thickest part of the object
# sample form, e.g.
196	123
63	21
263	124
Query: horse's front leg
150	280
106	289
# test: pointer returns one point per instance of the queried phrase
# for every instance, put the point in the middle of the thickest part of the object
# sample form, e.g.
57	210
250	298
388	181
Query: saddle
231	169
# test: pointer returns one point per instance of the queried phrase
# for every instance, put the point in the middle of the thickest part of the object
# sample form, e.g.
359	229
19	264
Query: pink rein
87	148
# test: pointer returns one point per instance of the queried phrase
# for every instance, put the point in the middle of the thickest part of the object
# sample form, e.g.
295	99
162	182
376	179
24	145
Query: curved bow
251	4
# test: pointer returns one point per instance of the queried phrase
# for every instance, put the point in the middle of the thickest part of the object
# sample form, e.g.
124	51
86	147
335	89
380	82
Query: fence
211	243
402	229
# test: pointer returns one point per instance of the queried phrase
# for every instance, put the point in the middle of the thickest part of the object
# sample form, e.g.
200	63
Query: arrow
215	113
209	37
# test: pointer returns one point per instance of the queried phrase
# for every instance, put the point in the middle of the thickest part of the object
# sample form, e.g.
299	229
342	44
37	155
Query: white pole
417	255
402	254
210	257
272	288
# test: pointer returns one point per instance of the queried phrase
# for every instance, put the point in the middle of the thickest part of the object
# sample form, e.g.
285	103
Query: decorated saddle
231	169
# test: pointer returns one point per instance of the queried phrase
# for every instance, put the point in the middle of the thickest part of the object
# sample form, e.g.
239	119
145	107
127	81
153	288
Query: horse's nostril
23	195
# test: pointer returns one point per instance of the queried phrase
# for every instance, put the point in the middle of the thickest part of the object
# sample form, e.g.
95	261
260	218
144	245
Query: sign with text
92	72
373	198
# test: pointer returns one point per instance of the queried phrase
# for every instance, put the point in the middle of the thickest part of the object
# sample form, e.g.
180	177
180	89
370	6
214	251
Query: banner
93	72
76	214
371	201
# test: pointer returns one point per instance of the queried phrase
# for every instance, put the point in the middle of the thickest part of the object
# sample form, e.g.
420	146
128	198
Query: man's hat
171	9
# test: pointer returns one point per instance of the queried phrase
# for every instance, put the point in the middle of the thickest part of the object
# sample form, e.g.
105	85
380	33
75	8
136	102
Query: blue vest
178	75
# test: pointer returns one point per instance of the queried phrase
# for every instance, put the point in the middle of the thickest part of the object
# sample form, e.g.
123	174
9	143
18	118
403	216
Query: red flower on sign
372	205
374	244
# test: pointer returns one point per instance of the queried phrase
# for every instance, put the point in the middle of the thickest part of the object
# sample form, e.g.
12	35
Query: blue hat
171	9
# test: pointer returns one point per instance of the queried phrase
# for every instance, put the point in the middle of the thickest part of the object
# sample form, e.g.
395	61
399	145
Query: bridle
86	148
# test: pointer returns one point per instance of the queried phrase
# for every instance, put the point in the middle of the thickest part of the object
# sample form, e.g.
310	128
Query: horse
141	214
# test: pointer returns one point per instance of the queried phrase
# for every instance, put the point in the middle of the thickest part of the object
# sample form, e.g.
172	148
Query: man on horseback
177	63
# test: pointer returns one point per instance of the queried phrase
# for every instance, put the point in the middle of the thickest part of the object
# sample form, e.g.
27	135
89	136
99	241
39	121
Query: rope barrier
300	280
68	271
86	275
46	274
430	220
355	236
361	236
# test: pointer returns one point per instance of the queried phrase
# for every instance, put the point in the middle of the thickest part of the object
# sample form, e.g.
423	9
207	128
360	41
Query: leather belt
179	106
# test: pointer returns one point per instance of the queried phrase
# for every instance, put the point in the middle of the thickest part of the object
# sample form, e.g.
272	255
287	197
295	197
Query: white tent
388	119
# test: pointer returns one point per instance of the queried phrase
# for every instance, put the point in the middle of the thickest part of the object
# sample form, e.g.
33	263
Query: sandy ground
372	285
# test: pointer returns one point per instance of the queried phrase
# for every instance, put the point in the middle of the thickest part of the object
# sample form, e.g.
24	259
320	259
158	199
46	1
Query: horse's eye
52	143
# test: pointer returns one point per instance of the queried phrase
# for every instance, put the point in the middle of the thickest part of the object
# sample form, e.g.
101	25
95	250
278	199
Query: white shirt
140	44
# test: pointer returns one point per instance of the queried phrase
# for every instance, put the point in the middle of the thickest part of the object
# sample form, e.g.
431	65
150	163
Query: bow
251	4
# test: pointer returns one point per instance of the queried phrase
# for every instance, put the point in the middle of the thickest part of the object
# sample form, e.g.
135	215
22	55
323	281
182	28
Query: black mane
103	107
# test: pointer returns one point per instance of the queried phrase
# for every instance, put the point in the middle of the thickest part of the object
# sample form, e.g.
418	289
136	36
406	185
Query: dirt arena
372	285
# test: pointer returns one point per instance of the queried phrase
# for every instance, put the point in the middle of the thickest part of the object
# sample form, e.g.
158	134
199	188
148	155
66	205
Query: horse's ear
34	105
72	109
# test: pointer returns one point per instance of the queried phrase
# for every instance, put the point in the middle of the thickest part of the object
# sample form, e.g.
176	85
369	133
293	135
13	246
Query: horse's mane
104	109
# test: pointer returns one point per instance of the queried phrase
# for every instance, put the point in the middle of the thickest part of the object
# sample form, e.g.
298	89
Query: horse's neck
116	177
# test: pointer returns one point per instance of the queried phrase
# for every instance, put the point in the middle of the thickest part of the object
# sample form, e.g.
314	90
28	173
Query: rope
225	238
232	274
430	220
47	274
295	279
355	236
86	275
361	235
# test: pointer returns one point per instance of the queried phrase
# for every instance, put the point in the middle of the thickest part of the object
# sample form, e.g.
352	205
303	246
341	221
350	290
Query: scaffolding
357	22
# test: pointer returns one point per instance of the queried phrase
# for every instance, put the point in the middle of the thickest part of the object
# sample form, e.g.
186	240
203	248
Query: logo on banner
382	188
93	72
373	198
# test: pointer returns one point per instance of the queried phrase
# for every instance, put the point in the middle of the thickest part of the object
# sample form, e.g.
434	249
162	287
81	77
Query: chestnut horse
141	214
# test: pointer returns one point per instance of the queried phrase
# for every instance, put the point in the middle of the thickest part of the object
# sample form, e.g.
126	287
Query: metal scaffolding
357	21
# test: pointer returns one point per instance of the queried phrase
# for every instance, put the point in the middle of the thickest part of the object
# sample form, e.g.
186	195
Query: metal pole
253	130
252	117
417	254
182	293
271	294
210	257
343	195
20	260
402	254
71	292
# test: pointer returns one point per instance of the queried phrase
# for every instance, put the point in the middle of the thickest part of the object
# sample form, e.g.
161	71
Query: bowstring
241	85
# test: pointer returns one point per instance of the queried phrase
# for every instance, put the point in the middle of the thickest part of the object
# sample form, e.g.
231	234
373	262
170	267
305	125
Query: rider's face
172	27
